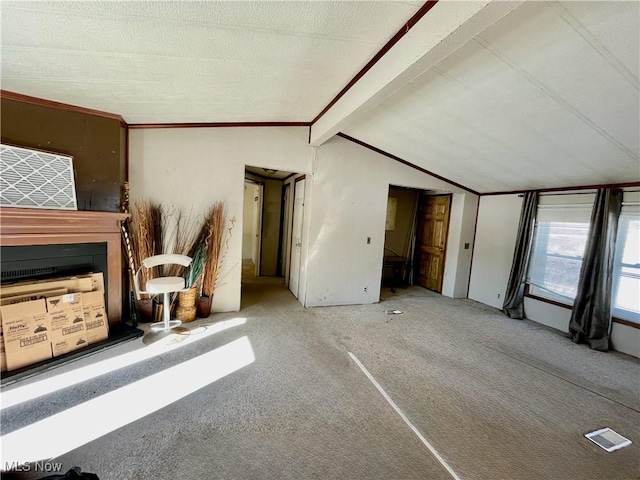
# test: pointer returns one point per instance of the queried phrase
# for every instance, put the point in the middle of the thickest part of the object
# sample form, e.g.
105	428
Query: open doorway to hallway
270	248
251	227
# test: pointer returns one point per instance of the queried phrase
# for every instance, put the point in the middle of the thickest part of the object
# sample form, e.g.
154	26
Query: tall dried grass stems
146	235
180	236
213	230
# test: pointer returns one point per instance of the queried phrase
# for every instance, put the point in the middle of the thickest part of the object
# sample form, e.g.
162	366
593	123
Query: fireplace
37	244
38	262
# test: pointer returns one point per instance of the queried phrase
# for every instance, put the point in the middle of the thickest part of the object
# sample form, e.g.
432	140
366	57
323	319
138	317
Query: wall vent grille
32	179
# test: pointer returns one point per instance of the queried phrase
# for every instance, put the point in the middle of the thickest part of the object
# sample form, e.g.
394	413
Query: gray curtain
591	315
514	297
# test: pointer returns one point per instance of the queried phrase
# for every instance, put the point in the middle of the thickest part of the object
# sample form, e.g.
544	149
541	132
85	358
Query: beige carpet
495	397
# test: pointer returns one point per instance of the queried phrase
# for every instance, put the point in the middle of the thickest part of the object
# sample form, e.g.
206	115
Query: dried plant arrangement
215	227
146	235
211	236
180	235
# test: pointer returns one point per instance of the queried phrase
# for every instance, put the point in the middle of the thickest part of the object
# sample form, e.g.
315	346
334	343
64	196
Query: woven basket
186	305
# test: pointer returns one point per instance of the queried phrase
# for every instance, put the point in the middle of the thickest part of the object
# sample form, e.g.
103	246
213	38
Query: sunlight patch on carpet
76	426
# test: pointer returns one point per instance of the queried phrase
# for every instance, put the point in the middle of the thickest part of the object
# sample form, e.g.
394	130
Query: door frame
293	212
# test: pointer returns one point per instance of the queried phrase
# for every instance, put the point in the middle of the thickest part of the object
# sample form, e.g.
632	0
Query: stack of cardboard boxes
46	319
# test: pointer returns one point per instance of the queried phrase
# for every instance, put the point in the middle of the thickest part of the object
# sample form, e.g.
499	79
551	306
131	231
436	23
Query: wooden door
296	244
431	244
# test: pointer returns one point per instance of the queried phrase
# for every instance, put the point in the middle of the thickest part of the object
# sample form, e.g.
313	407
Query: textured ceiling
546	97
202	61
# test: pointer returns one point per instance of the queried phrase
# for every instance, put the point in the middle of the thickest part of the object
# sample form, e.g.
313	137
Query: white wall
350	189
458	261
194	167
496	232
345	202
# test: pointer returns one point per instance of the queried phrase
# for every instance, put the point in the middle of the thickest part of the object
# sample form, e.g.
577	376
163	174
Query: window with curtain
560	238
625	296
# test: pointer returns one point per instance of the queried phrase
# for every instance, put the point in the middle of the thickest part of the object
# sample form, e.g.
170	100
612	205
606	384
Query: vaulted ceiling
496	96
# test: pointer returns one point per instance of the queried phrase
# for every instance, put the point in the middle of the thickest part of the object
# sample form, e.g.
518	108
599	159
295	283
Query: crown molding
137	126
19	97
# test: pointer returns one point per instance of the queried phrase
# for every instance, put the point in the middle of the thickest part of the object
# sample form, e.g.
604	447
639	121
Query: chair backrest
166	259
156	260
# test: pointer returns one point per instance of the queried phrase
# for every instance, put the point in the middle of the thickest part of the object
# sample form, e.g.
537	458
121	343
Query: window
560	238
625	298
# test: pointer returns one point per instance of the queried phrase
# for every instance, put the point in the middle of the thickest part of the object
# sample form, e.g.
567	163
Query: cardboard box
28	297
3	355
27	333
82	283
95	316
68	328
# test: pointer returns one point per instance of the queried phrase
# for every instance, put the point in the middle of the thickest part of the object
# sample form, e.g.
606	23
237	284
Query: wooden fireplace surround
25	226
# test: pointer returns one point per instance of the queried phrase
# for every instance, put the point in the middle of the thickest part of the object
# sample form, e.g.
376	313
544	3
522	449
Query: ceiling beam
447	26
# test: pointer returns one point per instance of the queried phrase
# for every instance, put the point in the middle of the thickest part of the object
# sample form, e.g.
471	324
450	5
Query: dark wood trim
289	176
569	307
625	322
546	300
18	97
399	34
218	125
566	189
301	177
405	162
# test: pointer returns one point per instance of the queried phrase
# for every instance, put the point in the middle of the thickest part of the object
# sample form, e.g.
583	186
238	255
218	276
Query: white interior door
257	227
298	213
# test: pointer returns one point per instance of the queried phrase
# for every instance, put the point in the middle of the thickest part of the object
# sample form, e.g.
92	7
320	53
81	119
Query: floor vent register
608	439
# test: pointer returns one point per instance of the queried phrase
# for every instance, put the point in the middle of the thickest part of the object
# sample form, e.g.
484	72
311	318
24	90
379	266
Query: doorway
400	234
431	241
267	232
251	227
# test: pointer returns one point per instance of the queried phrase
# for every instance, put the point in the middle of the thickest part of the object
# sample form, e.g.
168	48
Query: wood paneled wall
96	142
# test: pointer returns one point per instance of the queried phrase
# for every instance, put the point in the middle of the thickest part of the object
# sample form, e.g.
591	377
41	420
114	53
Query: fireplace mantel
24	226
